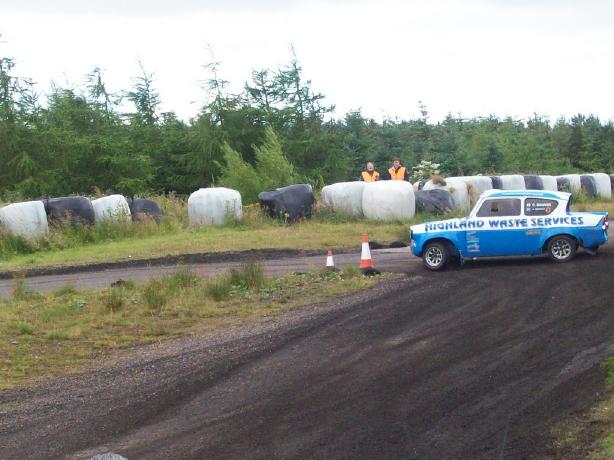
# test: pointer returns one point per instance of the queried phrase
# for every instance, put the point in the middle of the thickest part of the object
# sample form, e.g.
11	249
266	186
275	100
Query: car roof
527	193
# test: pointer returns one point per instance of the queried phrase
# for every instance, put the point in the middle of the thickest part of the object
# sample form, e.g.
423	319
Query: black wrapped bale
533	183
563	184
289	203
436	201
143	210
612	182
589	186
497	182
69	210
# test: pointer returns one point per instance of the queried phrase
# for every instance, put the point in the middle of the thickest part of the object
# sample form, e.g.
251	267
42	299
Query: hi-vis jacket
514	222
397	174
369	177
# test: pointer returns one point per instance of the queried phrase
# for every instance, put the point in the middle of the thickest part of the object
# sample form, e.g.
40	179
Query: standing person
397	171
370	175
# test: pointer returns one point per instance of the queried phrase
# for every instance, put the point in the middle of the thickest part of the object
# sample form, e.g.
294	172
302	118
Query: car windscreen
499	207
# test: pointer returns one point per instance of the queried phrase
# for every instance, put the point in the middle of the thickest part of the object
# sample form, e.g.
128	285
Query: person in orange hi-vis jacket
370	174
397	171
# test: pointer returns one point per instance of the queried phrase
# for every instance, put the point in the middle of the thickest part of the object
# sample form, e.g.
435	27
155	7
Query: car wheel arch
570	235
452	247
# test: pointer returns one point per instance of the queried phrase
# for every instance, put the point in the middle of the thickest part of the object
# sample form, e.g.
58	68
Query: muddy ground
478	362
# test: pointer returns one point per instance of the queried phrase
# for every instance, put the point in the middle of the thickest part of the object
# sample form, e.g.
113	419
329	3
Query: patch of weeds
20	328
351	271
65	291
114	299
181	279
20	291
249	276
219	288
155	294
57	335
157	330
77	304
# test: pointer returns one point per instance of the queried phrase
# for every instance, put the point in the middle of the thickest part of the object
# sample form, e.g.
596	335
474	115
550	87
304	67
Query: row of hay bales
466	189
392	200
32	218
383	200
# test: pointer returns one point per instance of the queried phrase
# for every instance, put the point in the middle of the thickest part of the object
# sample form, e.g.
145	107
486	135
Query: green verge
64	332
590	435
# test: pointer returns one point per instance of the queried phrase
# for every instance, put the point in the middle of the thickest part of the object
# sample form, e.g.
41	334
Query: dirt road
393	260
476	362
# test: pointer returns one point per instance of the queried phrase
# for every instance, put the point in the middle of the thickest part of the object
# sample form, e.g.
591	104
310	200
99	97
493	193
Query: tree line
276	131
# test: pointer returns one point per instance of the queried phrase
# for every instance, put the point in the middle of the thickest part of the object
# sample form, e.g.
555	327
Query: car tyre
435	256
562	248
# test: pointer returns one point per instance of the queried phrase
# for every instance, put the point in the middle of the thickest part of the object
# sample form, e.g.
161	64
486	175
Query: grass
65	331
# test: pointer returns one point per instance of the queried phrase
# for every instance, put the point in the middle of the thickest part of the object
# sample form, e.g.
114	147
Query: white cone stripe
366	252
329	261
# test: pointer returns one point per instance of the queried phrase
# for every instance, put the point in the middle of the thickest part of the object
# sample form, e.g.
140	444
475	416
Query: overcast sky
503	57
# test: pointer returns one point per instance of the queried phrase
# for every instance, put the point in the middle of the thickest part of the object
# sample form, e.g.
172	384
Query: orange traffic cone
330	263
365	254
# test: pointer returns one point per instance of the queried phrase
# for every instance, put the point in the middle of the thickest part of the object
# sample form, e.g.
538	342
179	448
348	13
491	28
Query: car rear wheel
435	256
562	248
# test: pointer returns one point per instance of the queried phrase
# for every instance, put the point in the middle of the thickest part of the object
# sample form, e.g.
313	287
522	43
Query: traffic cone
330	263
365	254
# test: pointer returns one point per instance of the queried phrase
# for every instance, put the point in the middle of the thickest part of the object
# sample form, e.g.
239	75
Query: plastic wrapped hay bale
533	183
569	183
458	189
27	219
496	182
69	210
388	201
214	206
612	182
479	183
344	197
143	210
549	183
112	207
603	185
589	186
436	201
292	202
512	182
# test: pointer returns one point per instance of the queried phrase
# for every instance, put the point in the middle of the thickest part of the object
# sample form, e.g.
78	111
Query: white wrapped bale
344	197
479	183
388	201
604	187
458	189
512	182
549	183
113	208
214	206
571	181
27	219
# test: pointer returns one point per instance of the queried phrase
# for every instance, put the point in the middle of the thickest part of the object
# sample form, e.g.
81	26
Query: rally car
511	223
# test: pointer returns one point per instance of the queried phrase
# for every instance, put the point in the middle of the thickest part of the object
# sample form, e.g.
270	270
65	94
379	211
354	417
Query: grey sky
473	57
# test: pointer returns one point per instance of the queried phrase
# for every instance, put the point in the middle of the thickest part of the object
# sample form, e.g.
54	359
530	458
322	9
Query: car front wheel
435	256
562	248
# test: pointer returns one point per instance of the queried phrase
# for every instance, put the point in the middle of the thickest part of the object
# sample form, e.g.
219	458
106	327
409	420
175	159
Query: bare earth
477	362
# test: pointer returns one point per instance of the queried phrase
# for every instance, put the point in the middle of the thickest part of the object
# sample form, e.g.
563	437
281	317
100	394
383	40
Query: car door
496	228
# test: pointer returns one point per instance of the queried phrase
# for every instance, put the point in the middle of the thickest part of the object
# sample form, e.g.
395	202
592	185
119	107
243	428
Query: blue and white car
511	223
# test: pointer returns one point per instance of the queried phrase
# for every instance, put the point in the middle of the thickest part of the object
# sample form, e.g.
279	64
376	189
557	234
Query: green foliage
154	294
277	131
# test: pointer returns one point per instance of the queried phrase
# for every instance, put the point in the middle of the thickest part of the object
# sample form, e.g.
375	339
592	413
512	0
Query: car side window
539	206
499	207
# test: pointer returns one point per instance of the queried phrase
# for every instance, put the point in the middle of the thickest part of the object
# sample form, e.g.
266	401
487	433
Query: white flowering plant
424	170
